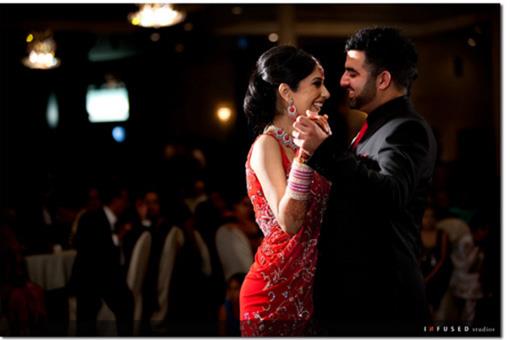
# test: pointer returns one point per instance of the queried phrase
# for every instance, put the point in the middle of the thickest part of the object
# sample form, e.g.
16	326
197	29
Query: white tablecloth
51	271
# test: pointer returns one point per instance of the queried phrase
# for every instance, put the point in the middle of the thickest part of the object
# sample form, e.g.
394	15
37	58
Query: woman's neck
283	122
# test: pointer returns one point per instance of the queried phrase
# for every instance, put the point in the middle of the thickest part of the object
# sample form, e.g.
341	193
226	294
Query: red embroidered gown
276	296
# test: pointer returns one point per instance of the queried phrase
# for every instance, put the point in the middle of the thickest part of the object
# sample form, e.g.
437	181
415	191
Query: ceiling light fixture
156	15
41	51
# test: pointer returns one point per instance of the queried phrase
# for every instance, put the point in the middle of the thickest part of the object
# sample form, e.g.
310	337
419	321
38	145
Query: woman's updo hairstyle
280	64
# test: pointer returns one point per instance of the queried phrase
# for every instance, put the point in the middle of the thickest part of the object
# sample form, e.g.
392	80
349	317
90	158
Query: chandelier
41	51
156	15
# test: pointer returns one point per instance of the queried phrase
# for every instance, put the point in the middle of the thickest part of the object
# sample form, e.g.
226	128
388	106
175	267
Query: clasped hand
309	132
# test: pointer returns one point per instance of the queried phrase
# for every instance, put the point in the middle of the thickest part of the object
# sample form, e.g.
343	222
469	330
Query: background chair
136	275
173	242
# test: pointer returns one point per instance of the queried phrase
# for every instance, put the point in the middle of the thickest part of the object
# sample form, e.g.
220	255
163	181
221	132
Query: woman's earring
291	109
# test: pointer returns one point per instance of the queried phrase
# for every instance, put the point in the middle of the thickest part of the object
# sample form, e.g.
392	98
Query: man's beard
366	96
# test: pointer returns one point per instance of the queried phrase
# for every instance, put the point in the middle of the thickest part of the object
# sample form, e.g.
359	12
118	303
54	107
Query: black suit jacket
368	281
97	266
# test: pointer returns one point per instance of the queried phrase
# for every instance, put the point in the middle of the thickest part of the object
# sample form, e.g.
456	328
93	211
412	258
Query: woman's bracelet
300	181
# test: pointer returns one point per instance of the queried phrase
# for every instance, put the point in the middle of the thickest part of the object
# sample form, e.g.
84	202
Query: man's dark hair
386	49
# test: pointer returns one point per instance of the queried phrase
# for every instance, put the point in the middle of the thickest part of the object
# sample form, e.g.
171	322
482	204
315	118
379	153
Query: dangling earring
291	109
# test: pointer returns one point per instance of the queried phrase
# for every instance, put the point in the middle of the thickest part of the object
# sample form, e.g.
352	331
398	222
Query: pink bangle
300	181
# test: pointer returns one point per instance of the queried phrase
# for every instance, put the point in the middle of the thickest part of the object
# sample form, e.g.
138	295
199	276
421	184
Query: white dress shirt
112	219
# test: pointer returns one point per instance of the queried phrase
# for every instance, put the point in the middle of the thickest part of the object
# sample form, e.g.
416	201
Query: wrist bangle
300	181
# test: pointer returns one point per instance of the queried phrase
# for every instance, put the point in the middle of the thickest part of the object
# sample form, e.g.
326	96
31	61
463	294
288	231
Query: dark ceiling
108	33
113	17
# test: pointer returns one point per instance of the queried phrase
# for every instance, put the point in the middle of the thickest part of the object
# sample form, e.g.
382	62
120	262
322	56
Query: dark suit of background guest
368	280
98	274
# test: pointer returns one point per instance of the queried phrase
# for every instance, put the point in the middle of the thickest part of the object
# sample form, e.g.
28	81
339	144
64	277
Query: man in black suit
368	281
98	271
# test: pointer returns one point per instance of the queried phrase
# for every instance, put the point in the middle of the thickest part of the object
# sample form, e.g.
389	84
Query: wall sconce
156	15
41	51
224	113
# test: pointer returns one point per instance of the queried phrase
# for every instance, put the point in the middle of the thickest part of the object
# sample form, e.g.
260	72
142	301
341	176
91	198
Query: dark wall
174	94
173	98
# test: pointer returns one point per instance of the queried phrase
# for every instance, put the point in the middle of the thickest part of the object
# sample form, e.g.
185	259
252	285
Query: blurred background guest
21	300
99	272
435	260
228	314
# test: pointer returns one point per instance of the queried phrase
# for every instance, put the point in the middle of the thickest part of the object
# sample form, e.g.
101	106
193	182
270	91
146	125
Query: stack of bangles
300	181
300	177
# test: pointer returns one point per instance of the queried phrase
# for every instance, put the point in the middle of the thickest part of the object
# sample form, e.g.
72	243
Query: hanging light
41	51
156	15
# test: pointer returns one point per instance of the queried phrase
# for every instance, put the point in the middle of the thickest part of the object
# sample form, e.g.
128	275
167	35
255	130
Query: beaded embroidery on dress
276	297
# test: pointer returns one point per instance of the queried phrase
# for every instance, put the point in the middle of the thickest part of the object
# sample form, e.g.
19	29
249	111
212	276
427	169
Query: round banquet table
51	271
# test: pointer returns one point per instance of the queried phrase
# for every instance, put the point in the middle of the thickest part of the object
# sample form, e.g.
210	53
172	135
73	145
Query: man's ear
383	80
284	91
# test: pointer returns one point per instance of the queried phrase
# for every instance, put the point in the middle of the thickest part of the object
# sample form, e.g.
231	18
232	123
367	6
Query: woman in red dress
288	197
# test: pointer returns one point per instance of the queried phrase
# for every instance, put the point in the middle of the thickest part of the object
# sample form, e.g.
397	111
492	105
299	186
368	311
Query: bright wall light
52	114
273	37
224	114
107	104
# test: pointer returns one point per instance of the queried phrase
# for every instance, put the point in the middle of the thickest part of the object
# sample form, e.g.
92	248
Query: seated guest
435	260
148	217
228	315
98	272
191	309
